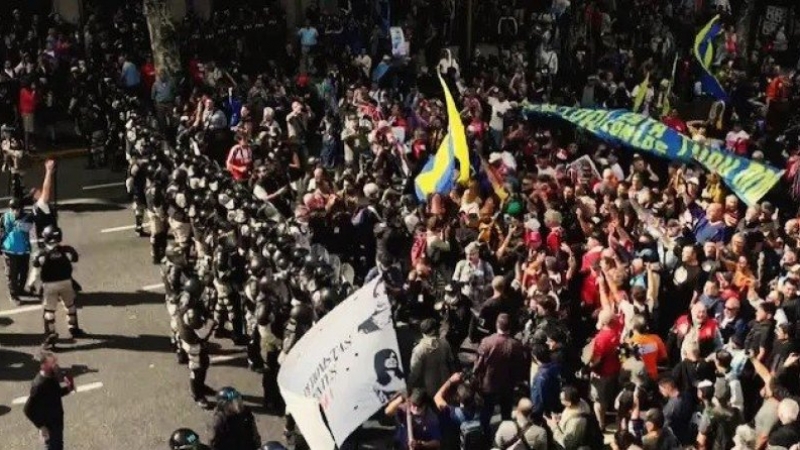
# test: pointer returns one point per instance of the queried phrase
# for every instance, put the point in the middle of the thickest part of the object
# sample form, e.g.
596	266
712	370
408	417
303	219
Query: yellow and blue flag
704	51
438	175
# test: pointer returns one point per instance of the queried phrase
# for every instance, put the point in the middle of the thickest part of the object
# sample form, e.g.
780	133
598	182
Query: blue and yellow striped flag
704	51
439	172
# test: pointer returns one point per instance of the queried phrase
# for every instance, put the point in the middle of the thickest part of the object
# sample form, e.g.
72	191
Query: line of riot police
235	269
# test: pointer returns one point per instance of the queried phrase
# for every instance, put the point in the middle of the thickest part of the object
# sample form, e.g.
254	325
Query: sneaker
14	300
76	332
203	403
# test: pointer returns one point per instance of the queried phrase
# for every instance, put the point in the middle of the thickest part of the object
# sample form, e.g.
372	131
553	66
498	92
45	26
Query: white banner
348	364
400	47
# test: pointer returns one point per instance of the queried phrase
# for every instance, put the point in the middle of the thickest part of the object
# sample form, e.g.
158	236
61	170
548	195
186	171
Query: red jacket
238	163
28	99
705	336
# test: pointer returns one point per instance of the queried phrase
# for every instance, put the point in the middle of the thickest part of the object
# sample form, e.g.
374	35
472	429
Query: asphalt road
132	394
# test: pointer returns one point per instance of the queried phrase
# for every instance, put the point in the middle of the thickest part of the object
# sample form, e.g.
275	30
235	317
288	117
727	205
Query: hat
758	154
514	208
494	157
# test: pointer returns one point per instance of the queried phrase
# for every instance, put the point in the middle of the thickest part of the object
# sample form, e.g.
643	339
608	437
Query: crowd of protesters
628	294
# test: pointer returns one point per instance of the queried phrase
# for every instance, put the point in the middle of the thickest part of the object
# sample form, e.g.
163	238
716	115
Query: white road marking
223	358
81	388
103	186
152	287
20	310
123	228
115	229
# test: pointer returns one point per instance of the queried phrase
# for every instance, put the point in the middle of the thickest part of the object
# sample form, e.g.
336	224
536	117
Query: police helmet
257	265
299	255
193	287
272	445
323	273
228	394
282	263
184	439
52	234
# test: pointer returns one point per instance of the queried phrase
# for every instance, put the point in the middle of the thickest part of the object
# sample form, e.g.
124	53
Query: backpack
419	248
471	435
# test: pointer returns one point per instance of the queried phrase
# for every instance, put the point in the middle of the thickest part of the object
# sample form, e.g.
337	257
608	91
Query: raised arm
47	184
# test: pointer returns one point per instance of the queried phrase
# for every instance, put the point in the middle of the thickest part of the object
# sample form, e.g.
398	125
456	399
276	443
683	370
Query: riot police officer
156	215
185	439
228	278
234	427
178	204
194	329
136	183
55	264
175	272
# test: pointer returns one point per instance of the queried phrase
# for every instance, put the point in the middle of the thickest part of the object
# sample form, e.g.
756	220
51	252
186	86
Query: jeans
56	440
16	272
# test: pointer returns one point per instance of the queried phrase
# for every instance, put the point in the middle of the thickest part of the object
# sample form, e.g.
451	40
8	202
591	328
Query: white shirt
498	110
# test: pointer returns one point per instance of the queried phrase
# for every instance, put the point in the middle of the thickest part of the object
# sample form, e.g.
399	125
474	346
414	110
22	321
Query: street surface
131	392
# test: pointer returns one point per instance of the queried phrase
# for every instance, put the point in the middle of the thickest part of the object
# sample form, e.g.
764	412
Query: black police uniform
55	264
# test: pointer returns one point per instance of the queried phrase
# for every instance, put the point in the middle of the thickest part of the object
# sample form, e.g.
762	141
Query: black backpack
471	434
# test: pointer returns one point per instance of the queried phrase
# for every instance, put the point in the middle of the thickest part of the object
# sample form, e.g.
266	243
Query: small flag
704	51
641	93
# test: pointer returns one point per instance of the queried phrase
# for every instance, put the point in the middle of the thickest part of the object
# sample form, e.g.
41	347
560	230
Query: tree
163	38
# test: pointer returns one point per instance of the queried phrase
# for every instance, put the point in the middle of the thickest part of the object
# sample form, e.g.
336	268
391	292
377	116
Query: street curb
59	154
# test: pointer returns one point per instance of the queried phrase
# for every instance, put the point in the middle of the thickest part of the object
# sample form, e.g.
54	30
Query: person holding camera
43	407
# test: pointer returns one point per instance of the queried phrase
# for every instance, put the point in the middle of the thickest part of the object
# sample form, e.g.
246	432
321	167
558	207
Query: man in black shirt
55	263
43	407
44	215
762	333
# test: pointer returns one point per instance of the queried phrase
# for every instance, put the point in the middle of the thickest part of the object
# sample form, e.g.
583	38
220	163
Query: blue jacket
546	389
16	237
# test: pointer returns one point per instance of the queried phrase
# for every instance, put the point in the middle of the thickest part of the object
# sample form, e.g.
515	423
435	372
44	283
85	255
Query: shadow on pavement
4	410
6	321
142	343
16	366
119	298
90	207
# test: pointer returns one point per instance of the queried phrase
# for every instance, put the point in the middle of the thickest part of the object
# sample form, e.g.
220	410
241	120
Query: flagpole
665	104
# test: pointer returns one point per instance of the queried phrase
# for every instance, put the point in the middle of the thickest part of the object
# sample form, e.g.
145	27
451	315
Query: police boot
139	228
50	342
197	385
72	320
254	360
51	337
180	353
